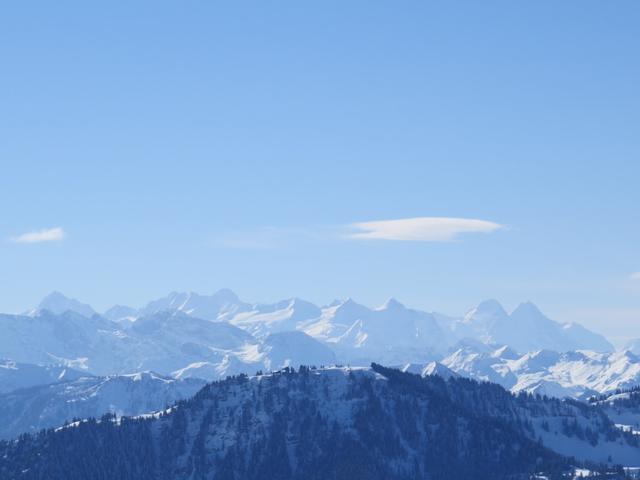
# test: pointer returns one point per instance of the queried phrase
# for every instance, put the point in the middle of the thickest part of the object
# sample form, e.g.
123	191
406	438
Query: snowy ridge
188	335
577	374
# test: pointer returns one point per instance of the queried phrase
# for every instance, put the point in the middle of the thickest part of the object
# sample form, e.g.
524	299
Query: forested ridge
334	423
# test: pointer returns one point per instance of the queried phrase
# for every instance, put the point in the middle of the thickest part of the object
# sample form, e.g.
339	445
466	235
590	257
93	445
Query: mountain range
577	374
187	335
355	327
64	363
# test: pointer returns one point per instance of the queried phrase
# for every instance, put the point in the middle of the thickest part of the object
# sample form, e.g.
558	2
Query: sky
438	152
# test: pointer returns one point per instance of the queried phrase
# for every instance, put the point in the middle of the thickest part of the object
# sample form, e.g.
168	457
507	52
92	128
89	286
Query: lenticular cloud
422	229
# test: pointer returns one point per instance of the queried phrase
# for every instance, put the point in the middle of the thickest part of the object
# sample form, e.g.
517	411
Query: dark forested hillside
312	424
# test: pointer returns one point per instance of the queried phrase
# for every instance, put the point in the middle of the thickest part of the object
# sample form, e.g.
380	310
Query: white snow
577	374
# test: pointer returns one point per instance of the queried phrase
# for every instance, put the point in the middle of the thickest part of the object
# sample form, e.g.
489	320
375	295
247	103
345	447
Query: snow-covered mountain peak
436	368
335	321
334	303
528	309
391	304
490	305
348	307
302	307
347	302
486	312
505	352
219	306
526	329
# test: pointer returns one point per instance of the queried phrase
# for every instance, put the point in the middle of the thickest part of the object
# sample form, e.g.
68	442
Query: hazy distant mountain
57	303
166	341
69	338
526	329
481	321
219	306
15	375
162	342
120	313
358	332
174	339
32	409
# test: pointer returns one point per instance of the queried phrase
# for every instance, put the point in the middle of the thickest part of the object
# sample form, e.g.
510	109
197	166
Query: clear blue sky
200	145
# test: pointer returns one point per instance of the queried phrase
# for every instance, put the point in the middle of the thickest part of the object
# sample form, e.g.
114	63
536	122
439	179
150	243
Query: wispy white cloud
635	276
421	229
45	235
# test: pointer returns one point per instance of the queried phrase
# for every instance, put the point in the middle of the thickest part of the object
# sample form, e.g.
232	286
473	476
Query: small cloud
422	229
635	276
45	235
